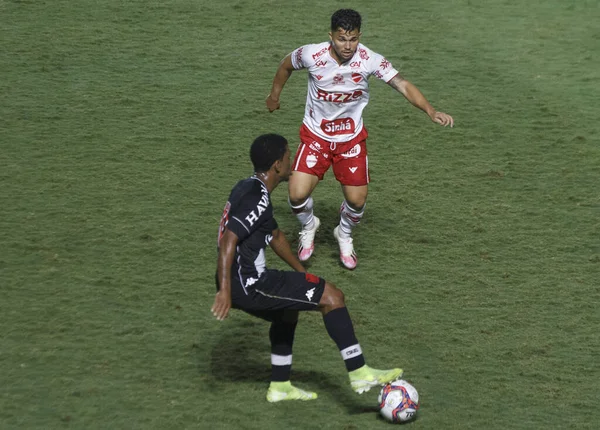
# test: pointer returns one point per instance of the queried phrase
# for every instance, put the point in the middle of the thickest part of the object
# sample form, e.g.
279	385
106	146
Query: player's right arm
284	71
227	247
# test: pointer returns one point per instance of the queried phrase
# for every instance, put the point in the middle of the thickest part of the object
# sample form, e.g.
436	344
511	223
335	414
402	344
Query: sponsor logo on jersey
352	169
262	206
363	54
315	146
338	126
355	64
356	77
321	52
385	64
269	237
311	161
378	74
250	281
353	152
338	80
299	56
338	97
310	293
320	63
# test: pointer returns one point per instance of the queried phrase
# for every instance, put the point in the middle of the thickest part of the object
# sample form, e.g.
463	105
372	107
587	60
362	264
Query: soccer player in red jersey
332	132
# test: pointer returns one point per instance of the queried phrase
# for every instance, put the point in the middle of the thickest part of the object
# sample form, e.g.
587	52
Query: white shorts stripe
299	156
285	298
351	352
281	360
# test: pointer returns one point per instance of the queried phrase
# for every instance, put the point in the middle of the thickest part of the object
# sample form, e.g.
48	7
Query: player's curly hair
266	150
346	19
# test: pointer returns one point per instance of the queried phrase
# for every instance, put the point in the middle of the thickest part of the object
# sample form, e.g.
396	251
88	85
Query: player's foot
307	240
279	391
365	378
347	255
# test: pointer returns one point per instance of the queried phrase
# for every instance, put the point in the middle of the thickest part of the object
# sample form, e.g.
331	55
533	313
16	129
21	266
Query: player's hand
221	306
272	104
443	119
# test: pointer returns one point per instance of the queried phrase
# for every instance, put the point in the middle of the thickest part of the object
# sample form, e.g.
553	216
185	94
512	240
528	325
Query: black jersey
249	214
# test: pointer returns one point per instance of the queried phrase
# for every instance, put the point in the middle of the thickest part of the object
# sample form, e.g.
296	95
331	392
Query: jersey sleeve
248	215
272	224
301	57
381	68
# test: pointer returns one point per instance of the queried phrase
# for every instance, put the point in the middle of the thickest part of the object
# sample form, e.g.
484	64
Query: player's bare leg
301	186
339	326
351	212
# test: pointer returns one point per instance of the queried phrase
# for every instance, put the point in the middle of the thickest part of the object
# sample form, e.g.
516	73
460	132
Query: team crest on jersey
356	77
338	80
319	77
311	161
363	54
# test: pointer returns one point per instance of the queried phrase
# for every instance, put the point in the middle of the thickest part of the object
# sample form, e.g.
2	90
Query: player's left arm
282	248
227	246
413	95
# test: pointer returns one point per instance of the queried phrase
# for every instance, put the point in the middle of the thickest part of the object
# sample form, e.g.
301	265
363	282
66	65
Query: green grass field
123	127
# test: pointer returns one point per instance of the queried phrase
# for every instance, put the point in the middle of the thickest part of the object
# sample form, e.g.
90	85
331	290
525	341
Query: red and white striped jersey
338	93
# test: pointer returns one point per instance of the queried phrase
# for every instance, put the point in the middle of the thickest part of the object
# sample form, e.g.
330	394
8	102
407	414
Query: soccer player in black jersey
244	282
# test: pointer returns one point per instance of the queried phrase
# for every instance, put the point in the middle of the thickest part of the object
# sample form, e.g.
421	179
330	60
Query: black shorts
278	290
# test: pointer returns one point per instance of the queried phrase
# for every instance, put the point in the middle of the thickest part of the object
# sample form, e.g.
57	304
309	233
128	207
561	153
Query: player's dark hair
346	19
266	150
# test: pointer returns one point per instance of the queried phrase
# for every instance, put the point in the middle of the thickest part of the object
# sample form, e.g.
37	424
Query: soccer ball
398	401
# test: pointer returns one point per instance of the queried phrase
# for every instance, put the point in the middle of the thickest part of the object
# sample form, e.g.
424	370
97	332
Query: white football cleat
347	254
306	246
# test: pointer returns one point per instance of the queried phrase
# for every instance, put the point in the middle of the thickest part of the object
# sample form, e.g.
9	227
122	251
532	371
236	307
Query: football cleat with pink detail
347	255
306	246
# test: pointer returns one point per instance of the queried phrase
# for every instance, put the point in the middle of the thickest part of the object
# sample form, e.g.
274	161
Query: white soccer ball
398	401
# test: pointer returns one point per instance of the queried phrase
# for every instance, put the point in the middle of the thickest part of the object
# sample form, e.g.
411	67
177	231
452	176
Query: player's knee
332	298
297	201
357	204
300	188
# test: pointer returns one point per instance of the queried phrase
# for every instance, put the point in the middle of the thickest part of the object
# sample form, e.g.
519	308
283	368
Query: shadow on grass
241	354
